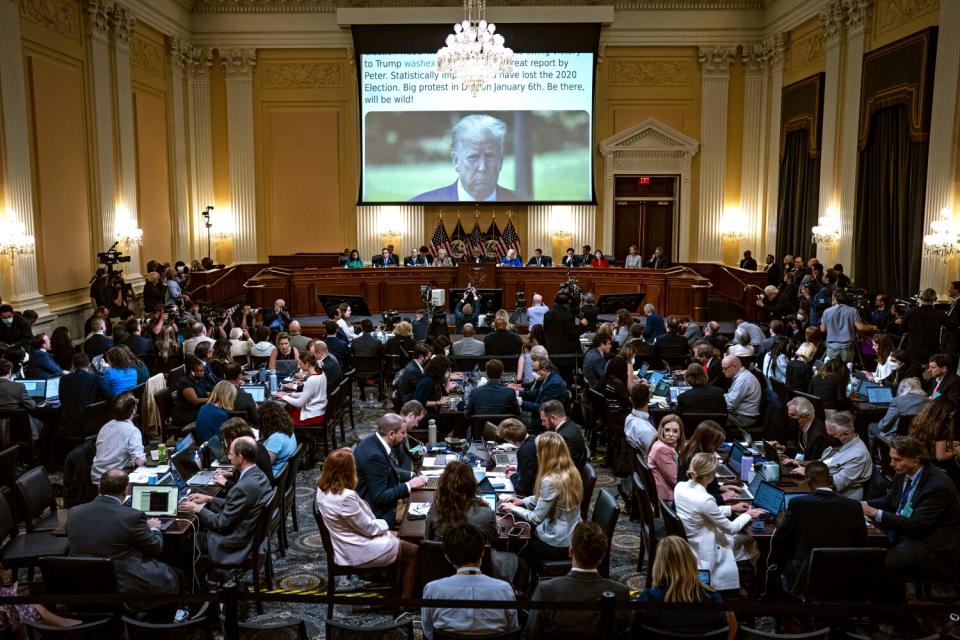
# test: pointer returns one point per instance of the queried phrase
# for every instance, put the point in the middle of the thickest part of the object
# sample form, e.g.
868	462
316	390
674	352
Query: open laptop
770	498
654	377
770	452
257	391
53	390
662	389
787	497
675	393
732	469
748	492
286	368
642	371
188	469
504	458
157	501
36	389
490	499
880	396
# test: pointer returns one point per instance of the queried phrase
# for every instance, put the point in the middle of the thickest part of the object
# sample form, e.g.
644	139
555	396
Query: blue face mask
8	321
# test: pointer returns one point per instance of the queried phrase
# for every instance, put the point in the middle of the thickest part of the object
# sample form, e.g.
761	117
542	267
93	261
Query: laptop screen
490	499
768	497
656	377
53	388
787	497
35	388
662	389
156	500
643	369
880	395
755	483
256	391
736	455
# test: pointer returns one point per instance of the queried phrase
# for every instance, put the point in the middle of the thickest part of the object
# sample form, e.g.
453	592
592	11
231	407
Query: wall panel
153	175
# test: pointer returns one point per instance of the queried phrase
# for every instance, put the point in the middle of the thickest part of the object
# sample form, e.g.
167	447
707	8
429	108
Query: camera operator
278	318
99	293
162	316
775	303
467	309
922	326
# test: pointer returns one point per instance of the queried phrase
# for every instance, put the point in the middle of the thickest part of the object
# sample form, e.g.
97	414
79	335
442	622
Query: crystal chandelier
14	240
126	231
827	232
943	242
474	53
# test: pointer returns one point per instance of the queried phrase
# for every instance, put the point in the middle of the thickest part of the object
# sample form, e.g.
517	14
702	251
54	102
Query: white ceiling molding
683	28
501	15
170	17
784	15
329	6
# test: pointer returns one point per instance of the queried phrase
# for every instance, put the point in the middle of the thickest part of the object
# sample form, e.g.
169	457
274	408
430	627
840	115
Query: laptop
432	482
732	470
787	497
490	499
748	492
188	470
257	391
770	452
36	389
770	498
157	501
880	395
503	459
286	368
675	393
662	389
216	448
656	377
53	390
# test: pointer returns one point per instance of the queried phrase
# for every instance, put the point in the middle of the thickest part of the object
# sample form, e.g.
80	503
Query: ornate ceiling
323	6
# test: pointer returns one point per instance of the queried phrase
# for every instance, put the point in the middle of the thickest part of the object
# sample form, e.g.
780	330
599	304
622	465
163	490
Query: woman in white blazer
307	407
359	538
716	540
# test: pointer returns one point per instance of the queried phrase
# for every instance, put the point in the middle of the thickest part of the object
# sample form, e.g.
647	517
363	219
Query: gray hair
910	385
841	420
802	406
478	127
539	352
648	308
770	289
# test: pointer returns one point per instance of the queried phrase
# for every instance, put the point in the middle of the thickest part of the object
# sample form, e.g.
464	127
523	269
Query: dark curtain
799	196
891	189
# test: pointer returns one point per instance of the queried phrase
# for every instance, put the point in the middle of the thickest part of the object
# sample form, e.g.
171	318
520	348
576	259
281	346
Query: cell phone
417	449
758	525
515	532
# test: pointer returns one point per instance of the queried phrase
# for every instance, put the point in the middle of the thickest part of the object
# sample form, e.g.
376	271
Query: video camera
114	276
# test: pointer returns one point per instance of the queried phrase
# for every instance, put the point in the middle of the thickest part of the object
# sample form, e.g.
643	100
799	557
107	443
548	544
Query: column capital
755	57
178	51
776	50
123	22
858	14
716	60
199	61
831	17
238	62
98	18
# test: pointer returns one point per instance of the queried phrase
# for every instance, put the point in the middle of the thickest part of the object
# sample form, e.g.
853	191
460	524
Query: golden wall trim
650	73
893	13
302	75
147	55
60	16
808	51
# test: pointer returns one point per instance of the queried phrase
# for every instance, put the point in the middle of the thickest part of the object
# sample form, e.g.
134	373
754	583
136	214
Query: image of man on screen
477	152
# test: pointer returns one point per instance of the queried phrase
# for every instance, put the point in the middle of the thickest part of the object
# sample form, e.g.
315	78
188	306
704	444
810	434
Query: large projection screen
525	138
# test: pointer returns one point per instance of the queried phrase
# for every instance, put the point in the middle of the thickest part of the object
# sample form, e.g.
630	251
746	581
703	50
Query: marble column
123	23
715	63
754	143
178	53
858	24
831	17
21	286
199	62
238	65
776	50
105	187
944	141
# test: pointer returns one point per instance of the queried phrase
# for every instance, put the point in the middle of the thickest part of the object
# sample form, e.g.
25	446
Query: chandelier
474	53
827	232
126	231
14	240
732	224
943	242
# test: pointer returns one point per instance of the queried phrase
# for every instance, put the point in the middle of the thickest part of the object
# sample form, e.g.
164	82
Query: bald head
114	483
468	330
731	366
294	328
388	427
537	299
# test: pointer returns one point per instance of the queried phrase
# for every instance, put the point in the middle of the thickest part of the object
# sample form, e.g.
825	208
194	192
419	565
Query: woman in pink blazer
663	456
359	538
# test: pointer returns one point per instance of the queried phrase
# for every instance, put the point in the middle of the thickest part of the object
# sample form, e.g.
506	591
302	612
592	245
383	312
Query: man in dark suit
657	260
230	521
366	344
540	260
106	528
923	326
773	271
748	261
233	373
494	397
950	338
554	418
943	381
378	476
582	584
501	341
14	397
561	333
412	372
701	397
79	388
477	153
595	360
335	344
137	343
386	259
14	329
570	259
548	386
921	514
672	346
97	343
415	259
812	435
822	519
654	327
329	363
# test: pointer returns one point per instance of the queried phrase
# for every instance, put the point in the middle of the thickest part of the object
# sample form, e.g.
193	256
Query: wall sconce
561	221
126	231
943	242
223	226
827	232
14	240
732	224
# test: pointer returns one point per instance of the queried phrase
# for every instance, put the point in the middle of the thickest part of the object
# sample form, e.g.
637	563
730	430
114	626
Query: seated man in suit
672	346
477	145
107	529
943	381
921	513
582	584
494	397
570	259
554	418
909	401
366	345
657	260
812	436
78	389
701	397
378	480
501	341
97	343
412	372
540	260
230	521
336	344
415	259
705	354
595	360
821	519
463	545
329	363
548	386
468	345
386	259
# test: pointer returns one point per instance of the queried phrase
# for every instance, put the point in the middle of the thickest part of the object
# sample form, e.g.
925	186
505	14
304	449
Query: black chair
337	630
277	520
284	631
646	474
596	401
259	361
18	431
9	460
512	634
434	564
195	628
478	422
844	575
257	561
589	477
164	400
649	534
653	633
93	416
39	504
62	574
746	633
693	418
816	401
334	569
96	630
173	378
369	369
25	550
290	491
606	512
671	522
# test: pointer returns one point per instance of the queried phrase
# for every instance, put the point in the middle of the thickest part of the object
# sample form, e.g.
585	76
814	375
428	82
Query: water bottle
263	374
273	381
746	466
432	432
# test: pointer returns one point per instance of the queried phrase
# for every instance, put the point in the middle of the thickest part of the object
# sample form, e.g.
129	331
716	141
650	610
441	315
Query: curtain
799	196
891	189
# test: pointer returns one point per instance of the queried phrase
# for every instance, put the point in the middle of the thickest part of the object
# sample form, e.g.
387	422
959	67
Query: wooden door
645	224
627	221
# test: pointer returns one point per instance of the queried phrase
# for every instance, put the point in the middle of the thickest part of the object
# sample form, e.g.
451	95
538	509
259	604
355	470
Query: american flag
477	244
509	240
440	239
493	240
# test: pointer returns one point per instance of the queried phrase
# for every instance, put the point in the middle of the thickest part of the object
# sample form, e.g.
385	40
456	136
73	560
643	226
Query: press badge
907	511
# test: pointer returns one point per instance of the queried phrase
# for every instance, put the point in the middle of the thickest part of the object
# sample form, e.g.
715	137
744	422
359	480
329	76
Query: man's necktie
906	494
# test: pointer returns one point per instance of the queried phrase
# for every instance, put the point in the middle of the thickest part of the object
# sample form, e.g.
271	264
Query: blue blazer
516	262
492	398
449	194
378	481
553	388
117	381
42	366
654	327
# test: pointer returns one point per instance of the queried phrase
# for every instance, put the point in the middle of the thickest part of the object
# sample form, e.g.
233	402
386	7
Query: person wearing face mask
14	329
811	433
193	391
846	456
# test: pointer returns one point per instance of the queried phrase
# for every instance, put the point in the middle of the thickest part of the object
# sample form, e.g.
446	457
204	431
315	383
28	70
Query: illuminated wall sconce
732	225
944	242
561	223
827	232
126	231
223	225
14	240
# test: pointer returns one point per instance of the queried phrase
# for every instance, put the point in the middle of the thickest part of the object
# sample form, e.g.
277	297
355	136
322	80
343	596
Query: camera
114	282
521	300
391	317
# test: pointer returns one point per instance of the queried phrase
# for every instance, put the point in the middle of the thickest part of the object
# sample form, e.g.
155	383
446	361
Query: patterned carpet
304	567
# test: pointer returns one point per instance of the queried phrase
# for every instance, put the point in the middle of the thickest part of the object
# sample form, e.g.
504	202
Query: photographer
98	289
162	316
774	303
467	309
278	318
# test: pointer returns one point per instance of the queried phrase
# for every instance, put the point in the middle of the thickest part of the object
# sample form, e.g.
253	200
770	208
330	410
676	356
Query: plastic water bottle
263	374
432	432
273	381
746	466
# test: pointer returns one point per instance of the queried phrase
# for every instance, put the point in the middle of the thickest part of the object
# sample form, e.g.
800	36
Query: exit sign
644	179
